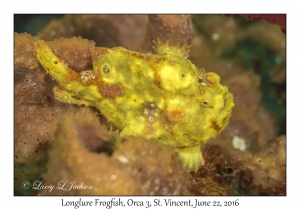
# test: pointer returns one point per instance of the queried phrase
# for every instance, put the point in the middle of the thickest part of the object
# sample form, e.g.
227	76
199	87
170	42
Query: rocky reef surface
56	141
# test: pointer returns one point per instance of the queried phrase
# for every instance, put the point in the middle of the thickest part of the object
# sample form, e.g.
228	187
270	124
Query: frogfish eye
105	69
206	104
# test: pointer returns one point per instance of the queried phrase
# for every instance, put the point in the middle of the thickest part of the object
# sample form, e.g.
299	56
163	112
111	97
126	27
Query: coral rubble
228	171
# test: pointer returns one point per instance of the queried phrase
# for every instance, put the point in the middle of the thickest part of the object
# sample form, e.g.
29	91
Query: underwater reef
55	140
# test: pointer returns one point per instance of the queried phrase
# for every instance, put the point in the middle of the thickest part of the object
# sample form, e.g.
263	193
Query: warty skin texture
164	98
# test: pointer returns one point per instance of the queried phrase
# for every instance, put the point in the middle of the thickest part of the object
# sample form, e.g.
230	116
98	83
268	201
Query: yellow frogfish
163	97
